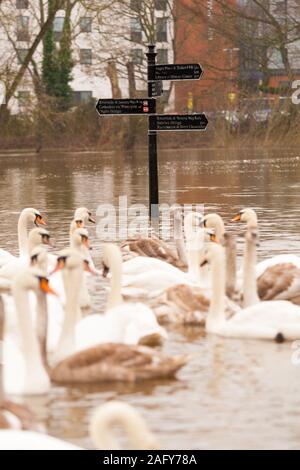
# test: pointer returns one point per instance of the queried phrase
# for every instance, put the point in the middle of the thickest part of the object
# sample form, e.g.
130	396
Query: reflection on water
233	394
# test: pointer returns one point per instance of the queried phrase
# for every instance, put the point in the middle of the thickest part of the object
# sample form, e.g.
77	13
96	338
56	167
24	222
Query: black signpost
176	72
177	122
157	122
128	107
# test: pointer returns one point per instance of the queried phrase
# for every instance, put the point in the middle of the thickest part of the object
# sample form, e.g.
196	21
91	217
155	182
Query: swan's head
210	235
32	215
215	221
33	279
193	220
80	237
212	252
116	412
39	236
75	224
71	259
252	236
246	215
84	214
38	256
111	254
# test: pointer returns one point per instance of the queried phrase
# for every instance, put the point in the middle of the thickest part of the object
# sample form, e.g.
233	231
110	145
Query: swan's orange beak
93	221
39	220
87	268
236	218
86	242
44	285
213	238
79	223
60	265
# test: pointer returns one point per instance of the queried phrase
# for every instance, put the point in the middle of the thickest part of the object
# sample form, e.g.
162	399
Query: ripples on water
233	394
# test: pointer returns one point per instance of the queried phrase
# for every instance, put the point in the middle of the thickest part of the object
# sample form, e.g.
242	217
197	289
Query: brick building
197	41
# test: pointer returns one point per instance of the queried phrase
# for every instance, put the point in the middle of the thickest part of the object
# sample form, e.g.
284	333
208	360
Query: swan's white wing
140	264
10	269
264	321
28	440
155	280
5	257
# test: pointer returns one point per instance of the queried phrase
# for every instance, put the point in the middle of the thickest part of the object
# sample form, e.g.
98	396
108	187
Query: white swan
101	432
116	412
274	320
122	323
153	282
37	236
228	240
278	278
250	217
24	372
80	243
141	264
27	371
28	216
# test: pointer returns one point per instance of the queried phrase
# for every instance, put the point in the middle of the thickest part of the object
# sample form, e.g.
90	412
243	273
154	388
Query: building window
80	97
161	29
20	4
161	5
58	26
135	30
162	56
21	54
86	56
23	28
85	24
137	56
23	98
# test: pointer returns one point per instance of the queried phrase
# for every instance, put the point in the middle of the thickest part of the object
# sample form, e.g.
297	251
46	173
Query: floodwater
233	393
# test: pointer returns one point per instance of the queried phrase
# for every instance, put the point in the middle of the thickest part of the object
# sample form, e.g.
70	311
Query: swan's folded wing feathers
279	281
116	362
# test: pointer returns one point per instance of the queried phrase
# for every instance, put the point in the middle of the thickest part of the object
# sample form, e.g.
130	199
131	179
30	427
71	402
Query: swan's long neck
230	249
217	303
115	295
179	240
23	235
73	279
194	246
42	326
2	320
133	425
73	227
249	281
30	346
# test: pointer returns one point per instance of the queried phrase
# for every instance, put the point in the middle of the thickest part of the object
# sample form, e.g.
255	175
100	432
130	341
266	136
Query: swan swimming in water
100	429
128	323
274	320
278	278
28	216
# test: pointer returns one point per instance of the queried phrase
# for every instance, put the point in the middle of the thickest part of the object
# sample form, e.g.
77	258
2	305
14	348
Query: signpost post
152	146
156	74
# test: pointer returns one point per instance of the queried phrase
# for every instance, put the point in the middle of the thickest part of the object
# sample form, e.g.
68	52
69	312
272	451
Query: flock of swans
47	337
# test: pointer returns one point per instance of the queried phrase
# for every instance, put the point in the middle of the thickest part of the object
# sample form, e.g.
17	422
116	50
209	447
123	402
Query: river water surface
233	393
